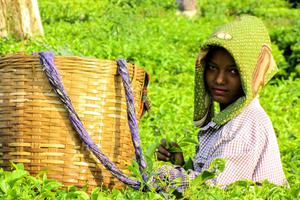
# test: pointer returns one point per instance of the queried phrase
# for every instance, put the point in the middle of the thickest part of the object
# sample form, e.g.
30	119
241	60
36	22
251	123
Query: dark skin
163	153
222	78
223	82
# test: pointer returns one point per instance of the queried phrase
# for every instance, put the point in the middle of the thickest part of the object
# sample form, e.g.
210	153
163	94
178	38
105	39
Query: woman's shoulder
253	114
253	120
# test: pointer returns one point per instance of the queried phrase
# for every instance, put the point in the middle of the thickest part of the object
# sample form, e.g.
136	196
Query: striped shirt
248	144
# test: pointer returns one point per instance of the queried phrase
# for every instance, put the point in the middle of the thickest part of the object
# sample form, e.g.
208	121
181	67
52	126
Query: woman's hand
170	152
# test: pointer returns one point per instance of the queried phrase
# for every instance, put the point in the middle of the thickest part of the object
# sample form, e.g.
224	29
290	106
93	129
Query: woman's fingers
162	153
162	157
178	159
161	149
163	142
174	144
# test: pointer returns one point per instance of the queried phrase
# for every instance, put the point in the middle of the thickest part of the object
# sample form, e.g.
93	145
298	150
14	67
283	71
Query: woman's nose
220	79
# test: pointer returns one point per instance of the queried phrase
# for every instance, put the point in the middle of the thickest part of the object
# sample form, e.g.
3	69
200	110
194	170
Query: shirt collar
211	126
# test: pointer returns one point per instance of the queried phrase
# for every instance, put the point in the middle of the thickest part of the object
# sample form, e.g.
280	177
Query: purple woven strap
132	121
47	61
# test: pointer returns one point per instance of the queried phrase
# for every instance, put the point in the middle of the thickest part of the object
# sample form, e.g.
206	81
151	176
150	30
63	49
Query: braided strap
132	121
47	61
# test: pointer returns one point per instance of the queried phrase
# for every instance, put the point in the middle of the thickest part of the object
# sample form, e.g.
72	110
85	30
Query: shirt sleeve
174	177
241	154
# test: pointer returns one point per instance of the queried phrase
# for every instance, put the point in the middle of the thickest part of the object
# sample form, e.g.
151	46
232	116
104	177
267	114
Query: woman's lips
219	91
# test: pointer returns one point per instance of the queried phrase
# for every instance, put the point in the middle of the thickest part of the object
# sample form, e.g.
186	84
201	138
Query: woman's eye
234	71
211	67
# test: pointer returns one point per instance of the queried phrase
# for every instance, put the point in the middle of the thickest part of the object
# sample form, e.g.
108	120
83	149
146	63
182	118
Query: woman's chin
220	99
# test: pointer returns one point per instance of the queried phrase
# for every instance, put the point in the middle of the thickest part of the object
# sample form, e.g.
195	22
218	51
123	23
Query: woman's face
222	77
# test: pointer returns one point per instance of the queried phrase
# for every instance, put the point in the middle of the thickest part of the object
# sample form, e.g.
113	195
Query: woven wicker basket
35	129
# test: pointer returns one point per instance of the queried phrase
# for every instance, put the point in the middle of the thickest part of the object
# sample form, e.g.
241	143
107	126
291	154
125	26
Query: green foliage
18	184
224	8
284	113
149	33
288	40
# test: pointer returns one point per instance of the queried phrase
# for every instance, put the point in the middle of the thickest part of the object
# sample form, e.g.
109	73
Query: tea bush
149	33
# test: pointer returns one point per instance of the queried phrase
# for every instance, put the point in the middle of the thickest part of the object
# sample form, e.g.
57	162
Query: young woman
233	66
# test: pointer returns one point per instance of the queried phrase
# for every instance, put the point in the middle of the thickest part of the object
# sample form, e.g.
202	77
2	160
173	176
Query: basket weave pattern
34	125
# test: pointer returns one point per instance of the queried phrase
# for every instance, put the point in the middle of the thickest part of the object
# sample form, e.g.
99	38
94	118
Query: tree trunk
20	19
187	7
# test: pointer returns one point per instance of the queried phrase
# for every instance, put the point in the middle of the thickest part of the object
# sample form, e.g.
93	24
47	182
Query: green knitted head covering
247	40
